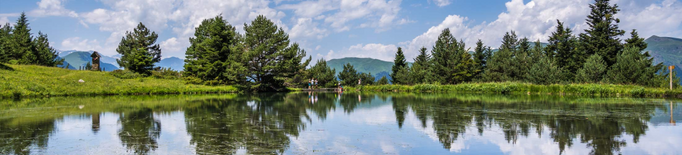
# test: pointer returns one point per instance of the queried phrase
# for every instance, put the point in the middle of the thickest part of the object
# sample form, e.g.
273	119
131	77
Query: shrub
125	74
166	73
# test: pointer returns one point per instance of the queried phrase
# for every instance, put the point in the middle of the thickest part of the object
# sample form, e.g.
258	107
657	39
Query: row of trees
597	55
19	46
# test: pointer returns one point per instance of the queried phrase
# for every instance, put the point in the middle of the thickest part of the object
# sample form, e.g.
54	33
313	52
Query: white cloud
52	8
310	9
442	3
381	14
4	18
306	28
174	47
318	47
652	19
79	44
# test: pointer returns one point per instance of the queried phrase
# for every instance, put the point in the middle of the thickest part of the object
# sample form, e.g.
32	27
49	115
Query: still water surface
329	123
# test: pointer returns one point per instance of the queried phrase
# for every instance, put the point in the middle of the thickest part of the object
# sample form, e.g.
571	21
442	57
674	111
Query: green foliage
632	67
419	72
125	74
270	58
523	61
88	66
166	73
367	78
544	72
382	81
636	41
349	76
5	42
481	56
38	81
19	47
592	71
562	50
44	54
138	50
21	41
399	63
602	35
324	74
452	63
215	53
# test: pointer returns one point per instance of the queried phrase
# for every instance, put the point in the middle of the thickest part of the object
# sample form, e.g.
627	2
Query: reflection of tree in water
139	131
16	139
260	124
351	101
600	126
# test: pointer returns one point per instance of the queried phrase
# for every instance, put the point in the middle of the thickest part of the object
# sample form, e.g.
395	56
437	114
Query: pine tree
367	78
523	60
593	70
502	66
419	73
509	42
324	74
349	76
398	63
452	63
270	58
562	50
632	67
215	53
544	72
138	50
382	81
602	36
636	41
44	54
88	66
21	42
480	57
5	38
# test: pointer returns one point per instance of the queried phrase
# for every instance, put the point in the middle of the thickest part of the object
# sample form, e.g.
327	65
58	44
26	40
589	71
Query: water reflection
280	123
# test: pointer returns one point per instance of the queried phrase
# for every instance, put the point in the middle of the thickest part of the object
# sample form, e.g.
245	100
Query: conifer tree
452	63
419	72
480	57
382	81
602	35
215	53
367	78
593	70
636	41
509	42
349	76
502	66
523	61
270	58
139	50
324	74
632	67
21	42
398	63
5	37
544	72
44	54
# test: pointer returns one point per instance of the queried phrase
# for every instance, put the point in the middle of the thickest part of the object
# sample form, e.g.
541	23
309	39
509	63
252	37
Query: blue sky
330	28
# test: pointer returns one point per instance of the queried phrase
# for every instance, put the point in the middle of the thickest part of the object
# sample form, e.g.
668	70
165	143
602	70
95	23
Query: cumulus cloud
79	44
174	47
306	28
377	51
662	18
381	14
52	8
4	18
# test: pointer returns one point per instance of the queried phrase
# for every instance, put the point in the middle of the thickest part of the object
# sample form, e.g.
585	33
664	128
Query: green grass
38	81
531	89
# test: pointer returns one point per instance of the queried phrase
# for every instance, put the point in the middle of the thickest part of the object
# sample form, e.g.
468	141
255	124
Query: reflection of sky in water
368	129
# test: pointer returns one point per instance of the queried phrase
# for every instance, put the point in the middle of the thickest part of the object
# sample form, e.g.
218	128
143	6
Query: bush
166	73
125	74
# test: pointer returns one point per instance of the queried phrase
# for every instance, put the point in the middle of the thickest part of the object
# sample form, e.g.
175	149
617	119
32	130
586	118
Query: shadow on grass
5	67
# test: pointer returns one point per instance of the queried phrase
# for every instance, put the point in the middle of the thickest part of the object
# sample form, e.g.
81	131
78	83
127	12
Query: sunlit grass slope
29	80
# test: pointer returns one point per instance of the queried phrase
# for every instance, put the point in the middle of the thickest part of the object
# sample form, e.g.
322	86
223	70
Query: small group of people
312	83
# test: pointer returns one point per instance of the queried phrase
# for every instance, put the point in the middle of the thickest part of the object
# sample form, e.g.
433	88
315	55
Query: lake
330	123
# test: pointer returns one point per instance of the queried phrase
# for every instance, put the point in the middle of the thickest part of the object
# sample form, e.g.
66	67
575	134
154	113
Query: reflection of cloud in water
658	140
381	115
387	148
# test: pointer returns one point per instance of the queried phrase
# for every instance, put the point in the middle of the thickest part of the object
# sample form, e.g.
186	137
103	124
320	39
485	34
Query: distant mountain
77	59
667	50
378	68
173	63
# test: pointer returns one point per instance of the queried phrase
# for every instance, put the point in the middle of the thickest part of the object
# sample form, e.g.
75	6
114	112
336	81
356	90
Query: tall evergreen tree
593	70
367	78
270	57
452	63
349	76
139	50
480	57
632	67
636	41
21	41
523	60
562	50
5	46
398	63
382	81
215	53
544	72
602	35
44	54
509	42
325	75
419	73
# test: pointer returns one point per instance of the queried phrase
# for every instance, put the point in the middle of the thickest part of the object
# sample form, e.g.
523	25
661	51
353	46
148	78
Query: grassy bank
525	88
37	81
